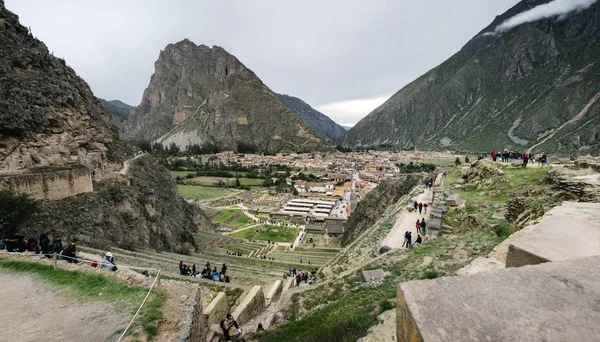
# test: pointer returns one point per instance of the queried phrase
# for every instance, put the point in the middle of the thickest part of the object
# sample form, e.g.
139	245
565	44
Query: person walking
525	160
425	205
423	226
418	225
416	205
420	207
408	245
406	236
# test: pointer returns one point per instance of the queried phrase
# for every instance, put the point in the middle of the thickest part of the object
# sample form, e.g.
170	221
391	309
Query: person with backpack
420	208
226	324
406	236
423	226
108	262
57	246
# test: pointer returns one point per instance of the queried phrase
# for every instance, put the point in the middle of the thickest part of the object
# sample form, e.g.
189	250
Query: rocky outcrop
515	89
48	115
316	120
149	213
57	144
199	94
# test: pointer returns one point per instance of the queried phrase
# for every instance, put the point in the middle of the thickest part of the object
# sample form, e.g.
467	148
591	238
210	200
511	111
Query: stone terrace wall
49	183
252	305
193	329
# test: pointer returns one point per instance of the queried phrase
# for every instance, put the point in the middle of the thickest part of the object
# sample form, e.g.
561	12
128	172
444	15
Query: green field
241	221
268	233
202	192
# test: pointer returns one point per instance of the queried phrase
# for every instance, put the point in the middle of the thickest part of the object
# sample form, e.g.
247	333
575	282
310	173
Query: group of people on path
206	273
421	207
307	277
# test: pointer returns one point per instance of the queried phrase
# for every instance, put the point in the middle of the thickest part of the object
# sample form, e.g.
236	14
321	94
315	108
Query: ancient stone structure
216	310
193	329
252	305
569	231
275	292
48	183
555	301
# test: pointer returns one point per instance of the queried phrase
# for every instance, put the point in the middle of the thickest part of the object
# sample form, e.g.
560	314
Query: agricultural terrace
268	233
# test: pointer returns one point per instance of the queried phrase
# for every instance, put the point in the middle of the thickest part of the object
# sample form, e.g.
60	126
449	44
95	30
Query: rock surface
537	81
48	115
199	95
316	120
550	302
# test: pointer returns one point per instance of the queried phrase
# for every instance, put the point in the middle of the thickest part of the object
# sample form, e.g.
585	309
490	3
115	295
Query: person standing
408	245
418	225
525	160
416	205
45	244
425	205
423	226
420	207
406	236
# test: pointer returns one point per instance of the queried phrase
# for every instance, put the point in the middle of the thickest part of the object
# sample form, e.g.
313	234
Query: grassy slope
87	286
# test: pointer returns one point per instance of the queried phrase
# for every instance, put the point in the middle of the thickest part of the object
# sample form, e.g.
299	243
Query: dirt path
126	164
32	311
407	221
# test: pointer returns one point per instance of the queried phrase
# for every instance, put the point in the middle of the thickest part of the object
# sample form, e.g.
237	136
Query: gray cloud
337	55
556	8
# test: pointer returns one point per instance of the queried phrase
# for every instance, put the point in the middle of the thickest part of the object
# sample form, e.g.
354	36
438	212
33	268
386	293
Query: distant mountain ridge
316	120
203	95
120	112
536	86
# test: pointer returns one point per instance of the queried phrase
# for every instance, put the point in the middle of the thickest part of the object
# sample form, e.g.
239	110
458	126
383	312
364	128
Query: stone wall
194	329
216	310
275	292
48	183
252	305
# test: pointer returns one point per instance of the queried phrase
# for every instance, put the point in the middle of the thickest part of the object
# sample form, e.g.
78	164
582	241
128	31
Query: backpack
222	324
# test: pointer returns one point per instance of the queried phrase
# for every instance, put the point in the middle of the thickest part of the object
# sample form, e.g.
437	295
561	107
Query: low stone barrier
252	305
216	310
275	292
194	328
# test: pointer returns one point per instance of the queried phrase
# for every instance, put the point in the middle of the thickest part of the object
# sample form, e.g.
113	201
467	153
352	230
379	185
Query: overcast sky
342	57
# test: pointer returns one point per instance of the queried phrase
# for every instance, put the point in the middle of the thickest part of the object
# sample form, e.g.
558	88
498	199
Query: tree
174	149
457	161
237	182
15	209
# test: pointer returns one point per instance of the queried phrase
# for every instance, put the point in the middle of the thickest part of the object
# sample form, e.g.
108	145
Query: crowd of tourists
299	276
507	156
50	248
206	273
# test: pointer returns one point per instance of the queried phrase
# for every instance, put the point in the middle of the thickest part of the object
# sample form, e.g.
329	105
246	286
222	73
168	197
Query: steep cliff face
48	115
50	121
536	86
120	112
199	94
317	121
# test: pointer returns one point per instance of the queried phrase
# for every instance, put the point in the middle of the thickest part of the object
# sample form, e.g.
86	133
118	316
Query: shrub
15	209
431	274
457	161
385	305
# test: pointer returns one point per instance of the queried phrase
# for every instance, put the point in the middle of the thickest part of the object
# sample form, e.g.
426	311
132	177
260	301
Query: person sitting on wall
226	324
108	262
32	246
57	246
70	253
45	245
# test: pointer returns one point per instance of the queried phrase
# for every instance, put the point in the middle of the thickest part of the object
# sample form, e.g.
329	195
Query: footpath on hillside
407	222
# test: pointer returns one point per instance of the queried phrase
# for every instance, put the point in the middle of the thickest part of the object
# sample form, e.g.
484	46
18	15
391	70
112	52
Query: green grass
202	192
226	214
88	287
181	174
268	233
241	221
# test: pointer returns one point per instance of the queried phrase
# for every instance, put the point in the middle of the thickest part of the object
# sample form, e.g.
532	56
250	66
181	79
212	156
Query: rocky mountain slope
49	118
319	122
119	110
199	94
536	85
